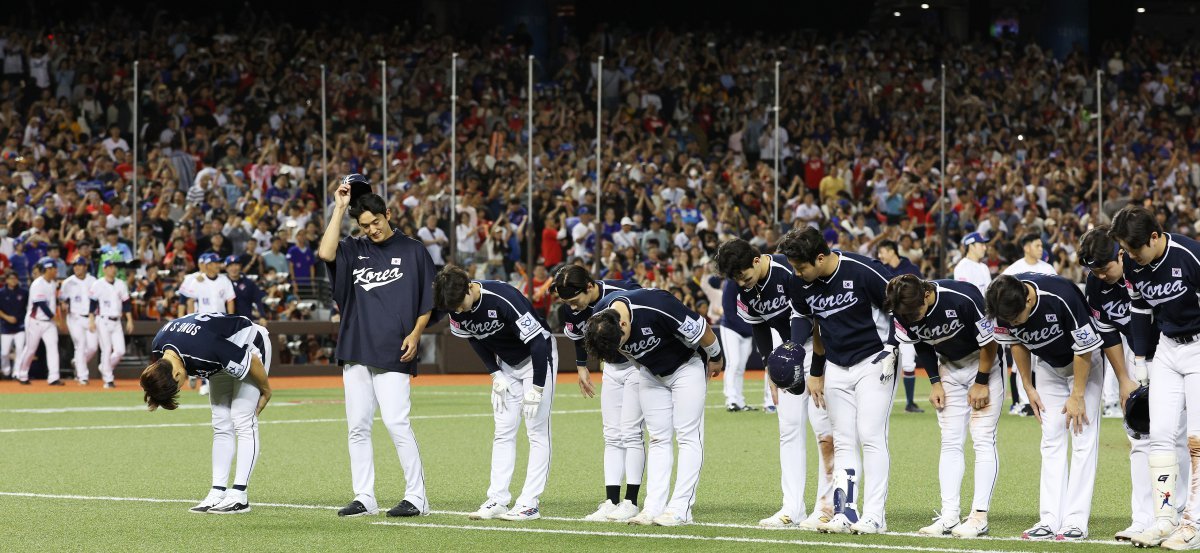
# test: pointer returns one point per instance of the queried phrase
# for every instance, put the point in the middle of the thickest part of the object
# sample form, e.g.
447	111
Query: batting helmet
1137	413
785	366
359	185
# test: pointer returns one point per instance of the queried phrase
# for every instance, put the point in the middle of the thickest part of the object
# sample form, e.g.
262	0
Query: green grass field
94	472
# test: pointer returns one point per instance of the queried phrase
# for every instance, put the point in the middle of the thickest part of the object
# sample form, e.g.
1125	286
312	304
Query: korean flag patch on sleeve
692	329
528	327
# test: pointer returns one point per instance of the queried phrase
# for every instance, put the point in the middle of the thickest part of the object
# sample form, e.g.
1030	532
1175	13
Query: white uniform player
74	291
110	299
40	322
971	268
207	291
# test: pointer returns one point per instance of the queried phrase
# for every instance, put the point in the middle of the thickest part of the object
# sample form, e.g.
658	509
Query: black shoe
355	509
404	509
1027	411
24	382
57	383
110	385
912	408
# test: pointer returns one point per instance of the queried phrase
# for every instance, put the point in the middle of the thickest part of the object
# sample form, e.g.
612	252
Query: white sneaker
204	387
1156	533
642	519
814	521
488	511
624	511
1128	533
941	526
777	520
211	500
839	524
521	513
235	503
868	525
669	518
1185	538
601	514
973	527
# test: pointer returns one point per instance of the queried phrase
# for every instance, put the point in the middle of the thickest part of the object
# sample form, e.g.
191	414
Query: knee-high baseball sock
1164	470
910	383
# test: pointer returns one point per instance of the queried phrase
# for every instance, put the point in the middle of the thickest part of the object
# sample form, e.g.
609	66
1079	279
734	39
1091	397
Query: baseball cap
210	257
233	259
583	210
81	260
108	263
626	221
973	238
47	262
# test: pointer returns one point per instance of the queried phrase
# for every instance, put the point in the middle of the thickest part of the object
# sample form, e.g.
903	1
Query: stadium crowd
230	131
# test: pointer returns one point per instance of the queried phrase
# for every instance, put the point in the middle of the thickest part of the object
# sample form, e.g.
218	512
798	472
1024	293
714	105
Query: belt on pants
111	318
1184	340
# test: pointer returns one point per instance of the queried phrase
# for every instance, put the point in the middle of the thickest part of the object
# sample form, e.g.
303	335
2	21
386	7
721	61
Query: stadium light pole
775	206
942	201
384	116
134	192
529	171
599	153
324	155
1099	145
453	151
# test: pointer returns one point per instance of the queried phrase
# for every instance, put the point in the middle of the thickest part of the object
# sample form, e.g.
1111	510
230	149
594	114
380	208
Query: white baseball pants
1175	389
674	408
45	332
368	387
621	411
234	422
860	409
737	349
955	419
796	412
1066	489
84	344
112	346
504	443
11	344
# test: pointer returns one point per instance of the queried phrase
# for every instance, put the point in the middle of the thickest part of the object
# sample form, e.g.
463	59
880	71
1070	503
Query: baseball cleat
520	513
623	511
82	382
356	509
777	520
57	383
1071	533
110	385
1128	533
1156	533
488	511
941	526
1017	409
214	497
23	382
770	409
642	519
1039	532
839	524
235	503
602	512
814	521
406	509
972	527
912	408
669	518
868	525
1185	538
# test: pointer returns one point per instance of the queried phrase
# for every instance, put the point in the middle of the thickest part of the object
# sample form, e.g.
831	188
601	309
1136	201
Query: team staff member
206	291
109	300
247	298
845	294
383	285
1109	300
516	347
13	300
1048	315
944	321
889	254
235	355
656	332
762	296
1164	278
40	323
620	407
75	290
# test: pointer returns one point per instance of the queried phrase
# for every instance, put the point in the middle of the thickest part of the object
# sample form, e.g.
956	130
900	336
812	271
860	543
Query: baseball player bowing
40	323
620	406
945	322
109	299
845	293
660	336
516	347
75	291
1048	315
382	283
235	355
1164	277
764	292
1108	298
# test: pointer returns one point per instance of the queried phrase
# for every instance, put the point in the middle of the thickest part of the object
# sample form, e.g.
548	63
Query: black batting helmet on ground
785	367
1137	413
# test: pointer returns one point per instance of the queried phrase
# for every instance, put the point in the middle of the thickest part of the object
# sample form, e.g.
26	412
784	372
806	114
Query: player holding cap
75	290
1108	298
1164	275
109	300
382	282
518	350
206	291
40	324
763	299
620	406
661	337
1048	315
234	354
945	322
845	293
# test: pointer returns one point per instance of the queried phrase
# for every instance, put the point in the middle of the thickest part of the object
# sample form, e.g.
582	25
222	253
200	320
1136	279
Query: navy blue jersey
575	322
13	302
204	342
1059	327
381	290
1169	288
953	328
769	302
730	318
663	334
905	267
504	323
247	298
848	306
1109	304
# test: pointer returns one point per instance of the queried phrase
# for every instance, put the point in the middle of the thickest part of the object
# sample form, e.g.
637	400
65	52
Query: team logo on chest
1162	292
481	329
826	306
370	279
